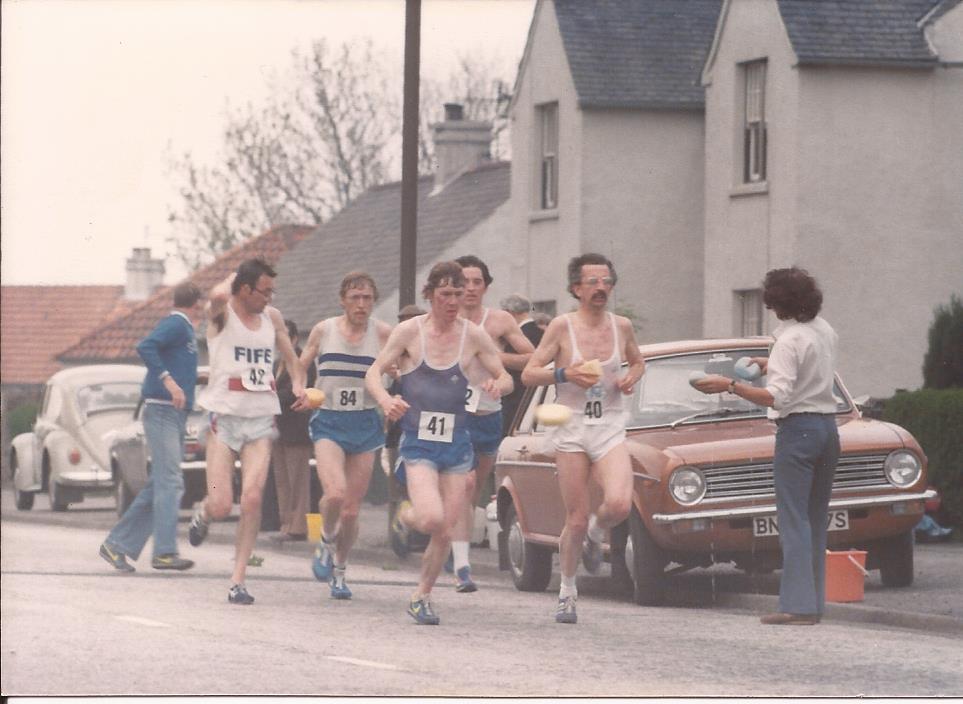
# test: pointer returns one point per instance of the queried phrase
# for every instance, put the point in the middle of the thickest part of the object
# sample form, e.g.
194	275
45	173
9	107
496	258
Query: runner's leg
255	458
358	474
573	474
613	472
330	459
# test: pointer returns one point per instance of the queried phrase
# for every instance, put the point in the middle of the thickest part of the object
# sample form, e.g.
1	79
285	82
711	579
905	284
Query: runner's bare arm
535	373
312	346
523	347
217	302
631	355
283	342
384	332
500	383
397	344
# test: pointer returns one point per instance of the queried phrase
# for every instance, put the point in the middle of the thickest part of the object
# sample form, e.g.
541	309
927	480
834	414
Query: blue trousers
807	448
154	511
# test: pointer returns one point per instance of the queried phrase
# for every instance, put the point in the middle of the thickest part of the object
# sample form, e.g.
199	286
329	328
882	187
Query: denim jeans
807	448
156	506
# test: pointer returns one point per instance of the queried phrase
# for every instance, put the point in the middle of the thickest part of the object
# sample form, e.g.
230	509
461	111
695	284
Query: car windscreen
664	395
110	396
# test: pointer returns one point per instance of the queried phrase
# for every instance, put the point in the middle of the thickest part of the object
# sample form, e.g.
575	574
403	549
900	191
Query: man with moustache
347	429
434	352
242	336
484	413
591	445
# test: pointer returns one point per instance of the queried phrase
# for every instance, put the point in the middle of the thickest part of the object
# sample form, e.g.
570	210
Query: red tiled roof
116	340
38	321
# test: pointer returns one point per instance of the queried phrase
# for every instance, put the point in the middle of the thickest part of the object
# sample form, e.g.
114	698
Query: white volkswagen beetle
65	454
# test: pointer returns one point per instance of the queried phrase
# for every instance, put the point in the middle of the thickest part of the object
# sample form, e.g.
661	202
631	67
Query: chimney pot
144	275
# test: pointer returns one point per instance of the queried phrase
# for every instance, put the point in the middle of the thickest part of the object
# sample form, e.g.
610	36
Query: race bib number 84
436	427
347	398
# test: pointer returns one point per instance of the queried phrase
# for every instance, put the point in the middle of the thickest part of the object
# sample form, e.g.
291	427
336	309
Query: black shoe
238	595
117	560
198	528
171	562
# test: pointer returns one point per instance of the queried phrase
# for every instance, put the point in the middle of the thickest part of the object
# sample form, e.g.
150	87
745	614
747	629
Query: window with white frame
548	307
754	127
547	125
747	306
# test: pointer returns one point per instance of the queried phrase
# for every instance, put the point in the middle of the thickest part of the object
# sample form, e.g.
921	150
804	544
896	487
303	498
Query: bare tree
311	149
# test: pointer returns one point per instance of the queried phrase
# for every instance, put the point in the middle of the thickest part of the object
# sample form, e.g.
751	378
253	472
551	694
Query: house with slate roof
699	144
608	154
115	341
462	209
834	141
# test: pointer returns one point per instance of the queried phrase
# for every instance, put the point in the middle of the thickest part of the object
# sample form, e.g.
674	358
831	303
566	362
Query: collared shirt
801	368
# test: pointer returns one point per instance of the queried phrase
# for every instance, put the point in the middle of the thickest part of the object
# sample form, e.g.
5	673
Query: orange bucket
845	572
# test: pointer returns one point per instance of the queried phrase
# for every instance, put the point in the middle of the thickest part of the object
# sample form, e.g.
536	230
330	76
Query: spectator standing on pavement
520	309
243	334
170	353
799	391
292	452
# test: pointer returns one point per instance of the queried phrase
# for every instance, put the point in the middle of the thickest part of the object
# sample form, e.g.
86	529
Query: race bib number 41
436	427
256	379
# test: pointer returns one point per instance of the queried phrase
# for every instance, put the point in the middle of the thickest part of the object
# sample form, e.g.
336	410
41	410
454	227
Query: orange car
703	490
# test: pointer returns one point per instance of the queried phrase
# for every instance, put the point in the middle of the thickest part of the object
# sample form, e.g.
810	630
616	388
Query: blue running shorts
353	431
454	457
485	432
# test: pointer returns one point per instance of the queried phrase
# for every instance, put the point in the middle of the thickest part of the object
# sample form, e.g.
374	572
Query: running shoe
591	555
117	560
465	584
422	612
198	528
339	588
171	562
238	595
322	564
565	611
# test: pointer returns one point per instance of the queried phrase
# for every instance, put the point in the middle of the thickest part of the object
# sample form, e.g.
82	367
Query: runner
435	448
242	335
592	444
484	413
347	429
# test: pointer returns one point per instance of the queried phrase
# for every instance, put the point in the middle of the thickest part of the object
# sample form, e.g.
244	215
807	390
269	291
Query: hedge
21	419
935	418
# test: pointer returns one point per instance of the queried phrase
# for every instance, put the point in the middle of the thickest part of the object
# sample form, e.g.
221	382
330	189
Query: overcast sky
94	91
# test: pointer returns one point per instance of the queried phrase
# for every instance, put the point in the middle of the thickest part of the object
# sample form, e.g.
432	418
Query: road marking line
363	663
143	621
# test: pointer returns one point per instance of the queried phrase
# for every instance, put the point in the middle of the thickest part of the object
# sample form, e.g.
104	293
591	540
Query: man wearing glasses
591	445
243	333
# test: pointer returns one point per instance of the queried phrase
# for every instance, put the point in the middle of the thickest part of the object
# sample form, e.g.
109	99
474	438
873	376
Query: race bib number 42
436	427
347	398
256	379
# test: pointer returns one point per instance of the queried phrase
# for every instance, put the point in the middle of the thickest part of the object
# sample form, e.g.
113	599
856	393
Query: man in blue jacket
170	353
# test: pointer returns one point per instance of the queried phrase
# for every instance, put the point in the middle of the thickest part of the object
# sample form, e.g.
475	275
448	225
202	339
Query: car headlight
902	468
687	485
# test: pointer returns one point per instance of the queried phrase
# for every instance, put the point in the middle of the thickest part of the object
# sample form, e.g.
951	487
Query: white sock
329	540
595	534
568	587
459	549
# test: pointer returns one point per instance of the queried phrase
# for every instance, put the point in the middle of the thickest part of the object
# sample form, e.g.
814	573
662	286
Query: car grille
755	480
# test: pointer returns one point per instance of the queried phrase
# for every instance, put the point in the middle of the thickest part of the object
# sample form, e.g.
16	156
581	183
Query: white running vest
601	403
342	367
476	400
241	380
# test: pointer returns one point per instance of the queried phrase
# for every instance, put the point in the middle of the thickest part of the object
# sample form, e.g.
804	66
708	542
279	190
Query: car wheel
23	499
895	560
125	497
530	564
53	491
646	562
621	574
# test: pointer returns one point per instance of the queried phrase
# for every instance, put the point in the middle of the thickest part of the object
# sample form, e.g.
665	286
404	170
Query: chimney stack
144	275
460	144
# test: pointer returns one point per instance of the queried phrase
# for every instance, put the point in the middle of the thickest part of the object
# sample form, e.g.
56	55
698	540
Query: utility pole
409	155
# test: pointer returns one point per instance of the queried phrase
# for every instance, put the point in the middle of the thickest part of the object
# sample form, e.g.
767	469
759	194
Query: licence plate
763	526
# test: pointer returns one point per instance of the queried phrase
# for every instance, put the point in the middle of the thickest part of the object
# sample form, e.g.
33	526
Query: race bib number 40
256	379
594	410
347	398
436	427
